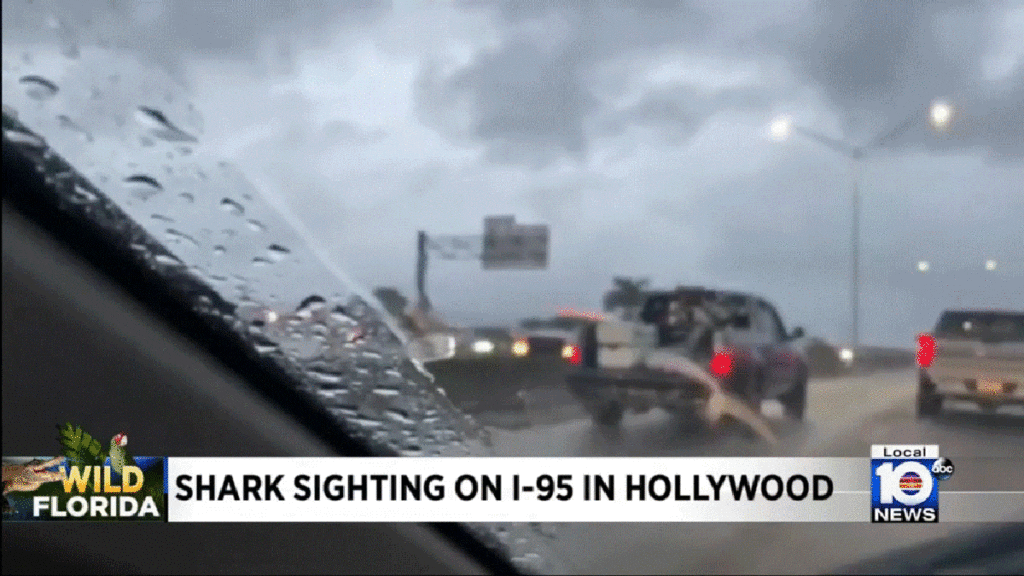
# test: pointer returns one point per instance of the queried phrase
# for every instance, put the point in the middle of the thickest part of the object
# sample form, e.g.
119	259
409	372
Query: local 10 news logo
905	482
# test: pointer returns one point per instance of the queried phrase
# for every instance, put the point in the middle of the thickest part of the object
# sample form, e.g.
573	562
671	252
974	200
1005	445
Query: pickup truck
972	355
683	347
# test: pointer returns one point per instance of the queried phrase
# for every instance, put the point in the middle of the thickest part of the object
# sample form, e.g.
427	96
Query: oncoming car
556	337
489	342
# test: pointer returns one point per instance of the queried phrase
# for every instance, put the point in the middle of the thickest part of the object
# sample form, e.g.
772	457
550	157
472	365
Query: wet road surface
845	417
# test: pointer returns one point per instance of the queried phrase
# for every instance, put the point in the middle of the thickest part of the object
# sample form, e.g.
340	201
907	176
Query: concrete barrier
495	384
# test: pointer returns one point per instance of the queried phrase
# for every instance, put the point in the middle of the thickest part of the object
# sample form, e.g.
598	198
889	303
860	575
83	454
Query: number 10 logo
910	483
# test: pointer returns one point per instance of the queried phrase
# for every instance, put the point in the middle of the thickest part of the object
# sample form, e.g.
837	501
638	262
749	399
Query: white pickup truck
973	355
690	350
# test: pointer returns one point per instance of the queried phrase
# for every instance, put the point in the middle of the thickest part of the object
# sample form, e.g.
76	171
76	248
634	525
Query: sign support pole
421	270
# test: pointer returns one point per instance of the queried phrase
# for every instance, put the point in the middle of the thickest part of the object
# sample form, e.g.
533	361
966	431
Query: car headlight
483	346
520	348
846	355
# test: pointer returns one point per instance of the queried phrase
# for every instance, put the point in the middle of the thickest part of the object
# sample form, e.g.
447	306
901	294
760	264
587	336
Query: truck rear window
981	326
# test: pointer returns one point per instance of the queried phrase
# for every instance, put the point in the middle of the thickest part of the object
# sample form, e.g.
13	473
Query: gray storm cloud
632	128
876	63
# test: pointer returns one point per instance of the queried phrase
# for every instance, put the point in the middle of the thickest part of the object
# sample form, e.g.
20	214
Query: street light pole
855	254
940	117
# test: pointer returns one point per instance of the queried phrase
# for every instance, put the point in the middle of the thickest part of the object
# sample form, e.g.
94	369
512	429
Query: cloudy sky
636	130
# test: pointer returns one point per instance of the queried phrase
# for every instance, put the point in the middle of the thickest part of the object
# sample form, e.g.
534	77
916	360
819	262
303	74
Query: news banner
897	484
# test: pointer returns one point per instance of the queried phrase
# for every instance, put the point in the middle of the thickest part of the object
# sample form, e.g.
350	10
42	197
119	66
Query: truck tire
753	390
609	415
929	403
689	421
794	402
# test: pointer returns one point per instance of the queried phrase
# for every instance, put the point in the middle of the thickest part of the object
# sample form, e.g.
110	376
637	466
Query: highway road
845	417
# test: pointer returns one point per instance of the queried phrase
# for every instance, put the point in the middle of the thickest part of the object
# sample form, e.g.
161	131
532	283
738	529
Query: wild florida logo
90	480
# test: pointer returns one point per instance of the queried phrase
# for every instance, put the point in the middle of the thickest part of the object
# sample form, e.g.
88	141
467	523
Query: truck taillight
572	354
925	350
721	364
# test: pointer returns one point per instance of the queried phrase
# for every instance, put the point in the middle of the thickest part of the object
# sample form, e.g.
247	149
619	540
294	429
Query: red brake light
572	353
721	364
925	350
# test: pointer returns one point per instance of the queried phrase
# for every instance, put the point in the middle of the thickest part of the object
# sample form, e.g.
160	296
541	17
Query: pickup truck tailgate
594	384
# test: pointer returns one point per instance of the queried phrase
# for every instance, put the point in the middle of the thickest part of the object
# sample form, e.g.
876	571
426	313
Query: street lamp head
940	115
990	265
923	266
781	128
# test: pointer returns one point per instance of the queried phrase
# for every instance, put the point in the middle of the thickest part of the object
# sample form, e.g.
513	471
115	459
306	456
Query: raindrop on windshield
266	347
324	376
160	126
38	88
167	260
261	261
69	47
339	314
310	303
256	225
162	218
181	237
232	207
82	194
400	416
219	250
278	252
187	197
24	138
68	124
143	187
66	35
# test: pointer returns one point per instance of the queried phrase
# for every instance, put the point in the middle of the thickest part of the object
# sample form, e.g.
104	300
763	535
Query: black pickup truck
736	339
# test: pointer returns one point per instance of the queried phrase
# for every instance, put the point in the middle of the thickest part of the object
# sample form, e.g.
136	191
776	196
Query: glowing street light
781	128
940	115
923	266
990	265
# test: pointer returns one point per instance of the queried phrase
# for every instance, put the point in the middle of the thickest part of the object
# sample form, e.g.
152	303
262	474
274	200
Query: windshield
354	187
981	326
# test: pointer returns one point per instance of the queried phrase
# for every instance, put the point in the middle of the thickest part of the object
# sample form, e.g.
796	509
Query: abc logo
942	469
910	483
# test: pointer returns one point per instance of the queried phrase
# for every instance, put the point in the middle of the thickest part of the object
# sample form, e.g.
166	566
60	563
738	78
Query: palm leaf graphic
80	448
